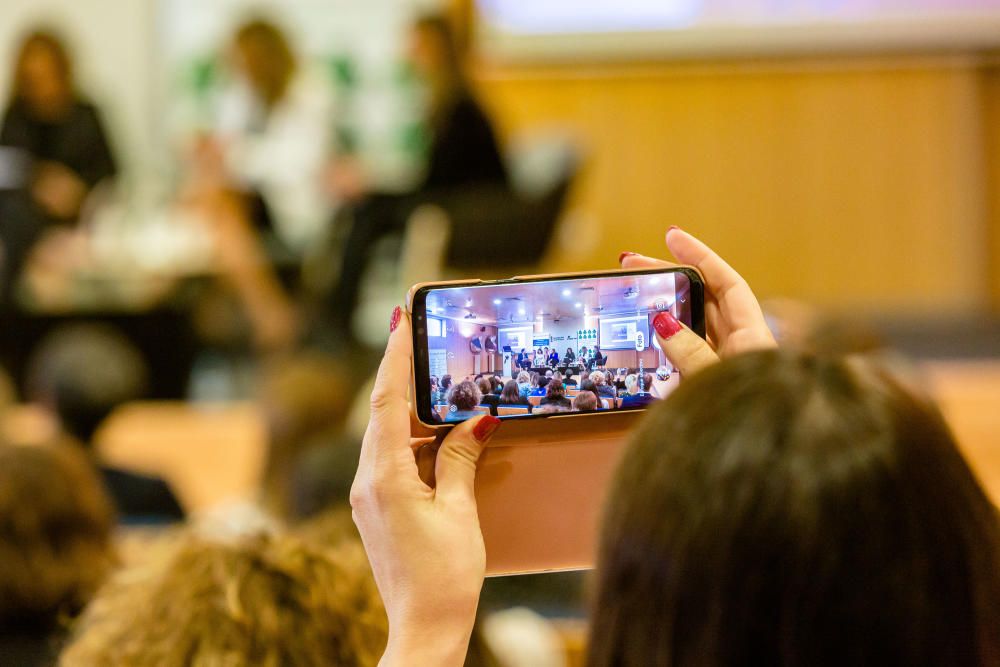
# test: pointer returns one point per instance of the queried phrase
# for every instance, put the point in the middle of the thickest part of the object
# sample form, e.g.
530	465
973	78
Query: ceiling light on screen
655	280
566	292
497	302
578	305
520	311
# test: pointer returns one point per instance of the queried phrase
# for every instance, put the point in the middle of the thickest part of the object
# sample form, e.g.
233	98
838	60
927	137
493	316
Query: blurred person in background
463	153
272	138
252	600
82	373
60	132
586	400
463	399
56	526
490	399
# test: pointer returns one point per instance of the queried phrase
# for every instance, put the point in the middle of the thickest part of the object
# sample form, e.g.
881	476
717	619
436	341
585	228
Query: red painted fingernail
486	427
672	228
621	257
397	315
666	325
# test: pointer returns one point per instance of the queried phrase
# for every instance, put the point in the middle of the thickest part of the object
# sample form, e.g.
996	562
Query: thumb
687	351
455	469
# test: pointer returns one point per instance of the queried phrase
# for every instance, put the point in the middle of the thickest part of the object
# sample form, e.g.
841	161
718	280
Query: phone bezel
418	312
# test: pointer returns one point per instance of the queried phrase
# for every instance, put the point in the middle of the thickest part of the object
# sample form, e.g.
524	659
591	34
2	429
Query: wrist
444	644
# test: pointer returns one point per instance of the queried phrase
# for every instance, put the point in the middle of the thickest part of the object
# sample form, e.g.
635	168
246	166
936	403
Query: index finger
737	301
388	436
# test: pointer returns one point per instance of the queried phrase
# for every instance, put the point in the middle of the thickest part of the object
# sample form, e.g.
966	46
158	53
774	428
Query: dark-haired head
43	73
784	509
511	393
83	372
555	390
446	382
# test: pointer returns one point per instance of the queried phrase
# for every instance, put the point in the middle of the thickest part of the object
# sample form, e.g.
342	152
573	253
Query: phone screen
524	349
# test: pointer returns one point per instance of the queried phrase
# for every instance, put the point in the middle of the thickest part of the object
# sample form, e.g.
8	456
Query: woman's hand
424	544
733	317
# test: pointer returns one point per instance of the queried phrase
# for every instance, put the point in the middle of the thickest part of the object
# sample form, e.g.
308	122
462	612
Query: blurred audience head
302	397
83	372
523	377
446	382
485	386
598	378
555	390
262	54
261	600
56	526
824	503
585	400
588	385
465	396
511	393
632	383
43	73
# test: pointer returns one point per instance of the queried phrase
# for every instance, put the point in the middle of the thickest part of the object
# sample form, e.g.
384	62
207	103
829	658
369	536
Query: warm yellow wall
850	183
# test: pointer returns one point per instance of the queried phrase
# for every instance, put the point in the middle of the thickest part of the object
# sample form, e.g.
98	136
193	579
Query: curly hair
555	390
465	395
56	524
261	600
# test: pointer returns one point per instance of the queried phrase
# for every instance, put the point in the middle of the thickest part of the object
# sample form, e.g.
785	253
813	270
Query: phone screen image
548	346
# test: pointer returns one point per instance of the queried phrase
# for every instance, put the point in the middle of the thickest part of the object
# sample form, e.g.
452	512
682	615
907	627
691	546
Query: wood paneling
851	183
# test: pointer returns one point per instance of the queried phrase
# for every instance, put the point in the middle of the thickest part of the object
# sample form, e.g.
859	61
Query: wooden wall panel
855	183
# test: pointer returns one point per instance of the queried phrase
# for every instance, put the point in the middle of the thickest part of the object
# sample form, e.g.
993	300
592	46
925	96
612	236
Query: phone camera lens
420	331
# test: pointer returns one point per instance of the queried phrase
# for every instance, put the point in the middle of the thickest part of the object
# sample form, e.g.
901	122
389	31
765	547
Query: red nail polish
621	257
672	228
397	315
666	325
486	427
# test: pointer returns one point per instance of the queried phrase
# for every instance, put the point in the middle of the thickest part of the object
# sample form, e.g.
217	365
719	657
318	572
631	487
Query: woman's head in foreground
784	509
262	600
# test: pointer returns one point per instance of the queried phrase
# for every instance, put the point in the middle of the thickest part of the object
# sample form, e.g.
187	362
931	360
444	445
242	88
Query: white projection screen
575	29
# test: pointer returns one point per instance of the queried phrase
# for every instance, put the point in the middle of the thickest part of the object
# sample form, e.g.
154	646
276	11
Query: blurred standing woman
60	133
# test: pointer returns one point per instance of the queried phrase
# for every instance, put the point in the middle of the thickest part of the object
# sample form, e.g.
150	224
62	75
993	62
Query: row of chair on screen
534	401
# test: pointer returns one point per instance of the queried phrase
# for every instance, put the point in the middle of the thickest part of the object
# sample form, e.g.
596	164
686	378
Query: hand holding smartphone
569	362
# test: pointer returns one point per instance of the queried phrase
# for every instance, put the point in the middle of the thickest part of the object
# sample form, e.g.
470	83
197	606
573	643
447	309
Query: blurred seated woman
511	396
524	384
570	356
600	380
463	153
463	399
776	509
555	394
586	400
642	392
541	382
260	600
56	525
489	399
60	132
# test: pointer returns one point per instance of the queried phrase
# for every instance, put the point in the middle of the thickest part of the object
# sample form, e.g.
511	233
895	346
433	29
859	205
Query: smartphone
549	337
542	479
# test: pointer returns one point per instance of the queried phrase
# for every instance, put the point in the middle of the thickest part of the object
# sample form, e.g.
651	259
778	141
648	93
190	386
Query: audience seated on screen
82	373
489	399
463	399
586	400
445	385
540	383
524	384
604	390
556	395
259	599
61	133
56	525
511	396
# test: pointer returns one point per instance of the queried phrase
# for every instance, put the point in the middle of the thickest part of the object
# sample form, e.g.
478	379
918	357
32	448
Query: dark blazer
491	400
76	141
464	148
